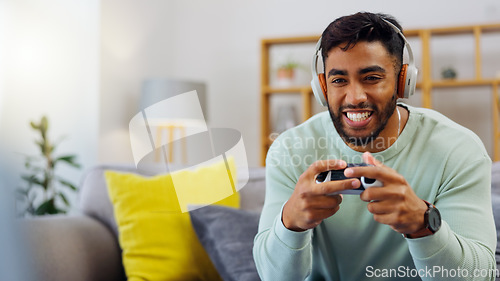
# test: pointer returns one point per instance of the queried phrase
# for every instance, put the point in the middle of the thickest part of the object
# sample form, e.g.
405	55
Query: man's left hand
395	203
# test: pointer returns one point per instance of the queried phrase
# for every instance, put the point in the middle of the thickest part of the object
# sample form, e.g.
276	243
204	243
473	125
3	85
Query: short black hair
363	26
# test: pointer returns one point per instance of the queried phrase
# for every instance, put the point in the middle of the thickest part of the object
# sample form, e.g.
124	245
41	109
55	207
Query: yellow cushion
156	237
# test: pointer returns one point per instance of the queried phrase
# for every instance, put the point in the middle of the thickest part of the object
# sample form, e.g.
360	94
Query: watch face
434	219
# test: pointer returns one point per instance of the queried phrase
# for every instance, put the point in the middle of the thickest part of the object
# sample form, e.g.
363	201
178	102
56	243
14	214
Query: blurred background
82	64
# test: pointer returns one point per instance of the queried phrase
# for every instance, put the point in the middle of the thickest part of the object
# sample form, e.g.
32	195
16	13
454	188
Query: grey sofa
84	246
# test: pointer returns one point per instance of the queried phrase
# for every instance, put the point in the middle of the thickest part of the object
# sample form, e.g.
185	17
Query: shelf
268	142
286	90
290	40
464	29
436	84
463	83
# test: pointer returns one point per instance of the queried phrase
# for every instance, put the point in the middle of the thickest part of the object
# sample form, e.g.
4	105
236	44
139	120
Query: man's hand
394	204
310	203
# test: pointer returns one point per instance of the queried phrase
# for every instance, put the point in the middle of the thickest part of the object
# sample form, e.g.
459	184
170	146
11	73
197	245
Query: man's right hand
310	202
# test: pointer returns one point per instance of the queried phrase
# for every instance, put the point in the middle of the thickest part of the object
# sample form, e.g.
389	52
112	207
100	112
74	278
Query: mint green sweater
445	164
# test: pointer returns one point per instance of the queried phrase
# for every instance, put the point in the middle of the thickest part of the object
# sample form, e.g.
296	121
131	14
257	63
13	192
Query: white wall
218	42
51	66
136	43
3	22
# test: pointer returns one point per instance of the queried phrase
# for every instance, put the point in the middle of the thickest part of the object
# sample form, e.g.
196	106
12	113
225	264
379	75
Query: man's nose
355	94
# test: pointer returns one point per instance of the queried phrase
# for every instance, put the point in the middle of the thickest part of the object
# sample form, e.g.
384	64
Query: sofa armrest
72	248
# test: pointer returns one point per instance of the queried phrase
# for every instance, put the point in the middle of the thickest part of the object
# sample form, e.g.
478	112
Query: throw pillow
495	200
156	237
495	177
227	235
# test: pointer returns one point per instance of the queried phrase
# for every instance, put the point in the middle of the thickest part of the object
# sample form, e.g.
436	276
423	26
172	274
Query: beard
382	117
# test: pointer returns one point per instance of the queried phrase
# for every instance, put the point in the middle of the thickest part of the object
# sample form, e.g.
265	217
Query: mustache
362	105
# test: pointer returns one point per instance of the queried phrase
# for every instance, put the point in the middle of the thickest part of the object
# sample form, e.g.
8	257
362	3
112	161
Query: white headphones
407	76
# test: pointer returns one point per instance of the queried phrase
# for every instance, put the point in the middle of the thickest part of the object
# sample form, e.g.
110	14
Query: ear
402	81
322	82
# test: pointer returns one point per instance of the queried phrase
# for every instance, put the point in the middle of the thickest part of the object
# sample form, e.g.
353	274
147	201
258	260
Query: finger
385	219
379	208
316	216
369	159
382	173
322	214
310	174
376	194
326	202
326	165
331	187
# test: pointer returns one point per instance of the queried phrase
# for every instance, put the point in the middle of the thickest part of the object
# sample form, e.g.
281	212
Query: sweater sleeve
464	246
279	253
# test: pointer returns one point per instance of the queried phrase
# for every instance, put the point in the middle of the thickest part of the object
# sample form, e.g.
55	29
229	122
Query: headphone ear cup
318	86
402	81
322	82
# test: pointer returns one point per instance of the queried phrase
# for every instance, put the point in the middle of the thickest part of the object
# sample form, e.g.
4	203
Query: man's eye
372	78
338	81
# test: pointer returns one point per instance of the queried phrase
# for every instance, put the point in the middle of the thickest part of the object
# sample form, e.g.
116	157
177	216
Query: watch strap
426	230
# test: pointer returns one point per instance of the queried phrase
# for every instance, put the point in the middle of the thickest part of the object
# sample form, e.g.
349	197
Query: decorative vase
285	77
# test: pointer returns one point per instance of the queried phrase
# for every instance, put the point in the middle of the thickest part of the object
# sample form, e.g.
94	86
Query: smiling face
361	92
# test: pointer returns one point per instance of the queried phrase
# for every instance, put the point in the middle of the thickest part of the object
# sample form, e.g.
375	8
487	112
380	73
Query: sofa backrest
94	199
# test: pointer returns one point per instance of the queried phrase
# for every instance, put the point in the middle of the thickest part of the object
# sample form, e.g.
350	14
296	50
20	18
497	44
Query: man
430	219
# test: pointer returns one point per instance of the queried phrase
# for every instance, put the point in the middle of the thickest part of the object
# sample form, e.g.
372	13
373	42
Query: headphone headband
407	76
407	45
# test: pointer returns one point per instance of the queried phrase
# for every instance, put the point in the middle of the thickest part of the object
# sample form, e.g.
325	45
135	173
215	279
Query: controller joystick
335	175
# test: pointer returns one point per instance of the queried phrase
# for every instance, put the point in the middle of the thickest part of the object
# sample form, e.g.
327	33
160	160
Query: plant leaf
44	124
22	191
64	199
34	126
32	179
68	184
50	148
69	159
46	207
42	146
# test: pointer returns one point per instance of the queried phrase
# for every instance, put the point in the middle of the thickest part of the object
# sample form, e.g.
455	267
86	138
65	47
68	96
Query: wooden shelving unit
426	84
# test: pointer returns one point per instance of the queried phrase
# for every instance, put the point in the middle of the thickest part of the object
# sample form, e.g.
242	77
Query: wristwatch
432	222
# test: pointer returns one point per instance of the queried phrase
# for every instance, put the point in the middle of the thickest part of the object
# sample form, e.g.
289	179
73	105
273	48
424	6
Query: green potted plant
41	179
286	73
287	70
448	73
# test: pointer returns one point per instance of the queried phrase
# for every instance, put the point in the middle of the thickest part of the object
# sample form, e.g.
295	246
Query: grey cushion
94	197
495	177
253	192
227	235
495	200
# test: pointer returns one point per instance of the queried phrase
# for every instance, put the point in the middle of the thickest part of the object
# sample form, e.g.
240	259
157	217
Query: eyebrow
334	72
373	68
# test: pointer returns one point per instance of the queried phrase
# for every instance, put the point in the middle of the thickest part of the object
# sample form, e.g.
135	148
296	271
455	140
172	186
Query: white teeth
357	117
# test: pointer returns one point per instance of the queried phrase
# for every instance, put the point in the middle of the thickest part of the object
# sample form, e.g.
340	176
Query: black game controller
336	175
